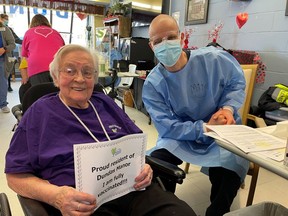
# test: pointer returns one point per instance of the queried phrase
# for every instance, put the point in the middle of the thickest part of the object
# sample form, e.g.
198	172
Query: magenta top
39	46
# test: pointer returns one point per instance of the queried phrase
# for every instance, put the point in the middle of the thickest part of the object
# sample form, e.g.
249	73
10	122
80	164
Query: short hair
39	20
4	16
65	50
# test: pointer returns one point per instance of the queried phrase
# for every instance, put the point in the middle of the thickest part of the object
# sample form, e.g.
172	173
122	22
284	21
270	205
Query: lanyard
82	123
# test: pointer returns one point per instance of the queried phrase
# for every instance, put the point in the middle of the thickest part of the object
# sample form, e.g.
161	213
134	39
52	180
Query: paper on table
246	138
277	154
281	129
108	169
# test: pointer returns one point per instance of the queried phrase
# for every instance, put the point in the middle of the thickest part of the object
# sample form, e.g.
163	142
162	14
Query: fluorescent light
138	4
157	8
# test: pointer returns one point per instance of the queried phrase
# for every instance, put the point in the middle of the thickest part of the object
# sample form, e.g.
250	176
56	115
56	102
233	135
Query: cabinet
120	25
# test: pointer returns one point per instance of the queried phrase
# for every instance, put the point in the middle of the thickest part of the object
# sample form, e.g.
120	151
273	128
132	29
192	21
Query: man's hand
222	117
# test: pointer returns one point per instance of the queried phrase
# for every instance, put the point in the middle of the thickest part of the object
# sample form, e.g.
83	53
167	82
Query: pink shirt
39	46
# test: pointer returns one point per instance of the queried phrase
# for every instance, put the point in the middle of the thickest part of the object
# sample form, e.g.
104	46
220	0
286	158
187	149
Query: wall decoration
196	12
241	19
215	32
187	34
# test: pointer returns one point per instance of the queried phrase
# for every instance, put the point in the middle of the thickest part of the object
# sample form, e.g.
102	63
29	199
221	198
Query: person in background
108	45
114	52
187	91
23	70
42	167
5	19
40	43
7	45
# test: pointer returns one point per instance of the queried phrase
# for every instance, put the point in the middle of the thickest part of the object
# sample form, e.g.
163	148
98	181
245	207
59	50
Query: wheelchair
161	169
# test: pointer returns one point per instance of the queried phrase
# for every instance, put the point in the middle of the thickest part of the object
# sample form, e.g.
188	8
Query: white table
267	163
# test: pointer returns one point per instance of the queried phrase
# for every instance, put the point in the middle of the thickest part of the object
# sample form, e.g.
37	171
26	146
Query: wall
266	32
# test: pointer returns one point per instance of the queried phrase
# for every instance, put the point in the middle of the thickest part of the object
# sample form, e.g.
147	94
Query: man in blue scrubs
183	93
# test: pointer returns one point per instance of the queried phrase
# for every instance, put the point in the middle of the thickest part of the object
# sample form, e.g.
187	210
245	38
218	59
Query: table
267	163
103	75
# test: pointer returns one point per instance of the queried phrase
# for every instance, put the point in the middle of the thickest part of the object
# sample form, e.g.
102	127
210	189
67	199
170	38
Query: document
277	154
245	138
108	169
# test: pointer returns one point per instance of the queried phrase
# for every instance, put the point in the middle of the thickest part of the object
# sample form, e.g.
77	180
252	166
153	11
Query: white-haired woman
40	161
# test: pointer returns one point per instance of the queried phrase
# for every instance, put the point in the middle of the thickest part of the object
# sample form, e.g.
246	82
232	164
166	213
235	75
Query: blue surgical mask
6	22
168	52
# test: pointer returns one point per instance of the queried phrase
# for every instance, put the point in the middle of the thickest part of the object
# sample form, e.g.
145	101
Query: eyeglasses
87	72
170	35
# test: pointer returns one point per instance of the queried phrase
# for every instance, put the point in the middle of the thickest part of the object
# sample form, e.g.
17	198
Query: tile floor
196	187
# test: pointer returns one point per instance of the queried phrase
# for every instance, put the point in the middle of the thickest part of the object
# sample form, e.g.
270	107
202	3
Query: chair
4	205
28	95
122	89
250	75
160	168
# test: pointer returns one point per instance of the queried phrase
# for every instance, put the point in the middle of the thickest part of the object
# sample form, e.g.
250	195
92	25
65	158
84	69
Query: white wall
266	32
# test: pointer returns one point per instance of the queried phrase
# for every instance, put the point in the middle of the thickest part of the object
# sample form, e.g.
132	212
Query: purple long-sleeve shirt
43	142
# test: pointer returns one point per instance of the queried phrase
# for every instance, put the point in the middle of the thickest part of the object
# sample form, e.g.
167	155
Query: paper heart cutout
241	19
45	32
81	15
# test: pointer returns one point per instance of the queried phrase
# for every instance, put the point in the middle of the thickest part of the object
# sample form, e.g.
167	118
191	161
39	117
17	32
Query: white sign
108	169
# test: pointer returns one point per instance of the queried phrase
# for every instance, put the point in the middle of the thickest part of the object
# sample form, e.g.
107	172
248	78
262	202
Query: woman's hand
144	179
72	202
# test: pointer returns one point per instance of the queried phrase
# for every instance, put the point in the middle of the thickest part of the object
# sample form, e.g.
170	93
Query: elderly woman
40	163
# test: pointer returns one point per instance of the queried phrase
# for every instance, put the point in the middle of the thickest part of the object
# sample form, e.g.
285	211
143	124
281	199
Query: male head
166	41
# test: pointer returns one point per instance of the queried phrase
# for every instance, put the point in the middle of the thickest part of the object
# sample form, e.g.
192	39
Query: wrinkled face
76	78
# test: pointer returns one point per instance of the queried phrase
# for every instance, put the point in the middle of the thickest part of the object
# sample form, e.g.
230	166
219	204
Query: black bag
267	103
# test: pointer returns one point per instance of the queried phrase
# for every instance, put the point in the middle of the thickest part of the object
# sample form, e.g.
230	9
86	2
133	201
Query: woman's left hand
144	179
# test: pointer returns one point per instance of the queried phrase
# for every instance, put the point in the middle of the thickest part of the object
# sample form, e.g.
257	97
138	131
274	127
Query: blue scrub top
180	102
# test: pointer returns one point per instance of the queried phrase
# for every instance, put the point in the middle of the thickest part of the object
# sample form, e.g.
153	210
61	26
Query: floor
196	187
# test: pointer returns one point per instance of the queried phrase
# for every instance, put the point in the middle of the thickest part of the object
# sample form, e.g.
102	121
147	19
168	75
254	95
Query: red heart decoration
81	15
241	19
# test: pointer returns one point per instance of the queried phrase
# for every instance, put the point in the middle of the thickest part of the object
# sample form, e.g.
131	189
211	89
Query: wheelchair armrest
166	170
4	205
17	112
32	207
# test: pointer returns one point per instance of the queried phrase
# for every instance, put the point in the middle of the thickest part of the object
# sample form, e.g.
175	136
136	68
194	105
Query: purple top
43	142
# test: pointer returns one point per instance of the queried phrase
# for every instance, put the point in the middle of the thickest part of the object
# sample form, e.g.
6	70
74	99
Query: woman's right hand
72	202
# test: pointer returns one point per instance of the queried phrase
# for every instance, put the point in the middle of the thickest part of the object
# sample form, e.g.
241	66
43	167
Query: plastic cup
132	68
